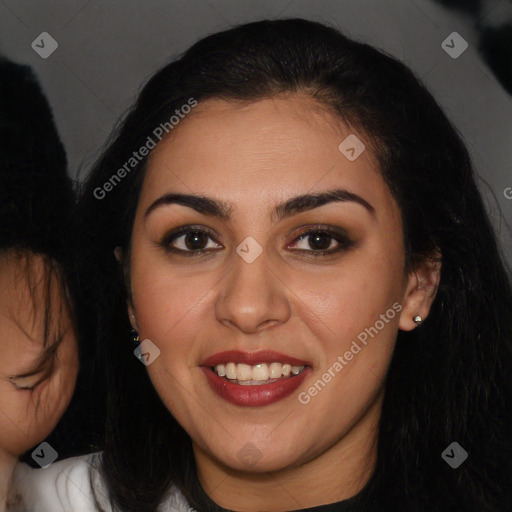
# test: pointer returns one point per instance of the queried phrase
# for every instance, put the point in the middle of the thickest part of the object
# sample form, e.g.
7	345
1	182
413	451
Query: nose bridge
251	294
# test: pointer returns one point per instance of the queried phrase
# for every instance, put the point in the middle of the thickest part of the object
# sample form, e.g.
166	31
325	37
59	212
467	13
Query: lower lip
256	395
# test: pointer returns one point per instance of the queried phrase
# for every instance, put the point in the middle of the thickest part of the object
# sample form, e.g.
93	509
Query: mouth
254	379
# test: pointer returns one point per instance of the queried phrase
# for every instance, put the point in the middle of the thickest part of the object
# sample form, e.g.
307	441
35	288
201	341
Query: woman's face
260	289
28	414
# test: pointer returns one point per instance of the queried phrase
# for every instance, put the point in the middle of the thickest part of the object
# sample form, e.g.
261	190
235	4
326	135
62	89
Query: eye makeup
327	232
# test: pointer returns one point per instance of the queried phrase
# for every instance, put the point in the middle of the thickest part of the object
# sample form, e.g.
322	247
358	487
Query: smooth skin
253	156
28	416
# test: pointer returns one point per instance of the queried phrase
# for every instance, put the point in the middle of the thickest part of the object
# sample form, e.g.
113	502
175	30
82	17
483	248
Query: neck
337	474
7	465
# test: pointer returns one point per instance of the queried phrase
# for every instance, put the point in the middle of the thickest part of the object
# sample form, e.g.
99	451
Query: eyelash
343	240
26	388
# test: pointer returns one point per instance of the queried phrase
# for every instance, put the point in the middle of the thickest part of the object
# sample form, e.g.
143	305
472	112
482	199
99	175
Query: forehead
19	272
21	310
267	149
26	291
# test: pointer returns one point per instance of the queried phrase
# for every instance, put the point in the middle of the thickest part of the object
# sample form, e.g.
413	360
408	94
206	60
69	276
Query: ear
118	253
421	290
131	315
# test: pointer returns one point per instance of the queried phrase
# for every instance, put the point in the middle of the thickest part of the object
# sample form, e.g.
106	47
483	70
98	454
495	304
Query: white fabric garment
65	486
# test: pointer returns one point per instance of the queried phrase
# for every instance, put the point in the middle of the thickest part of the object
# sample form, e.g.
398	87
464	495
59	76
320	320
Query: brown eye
323	241
320	241
189	241
195	240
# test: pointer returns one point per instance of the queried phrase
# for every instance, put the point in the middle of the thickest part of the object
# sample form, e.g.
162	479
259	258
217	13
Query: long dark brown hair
448	381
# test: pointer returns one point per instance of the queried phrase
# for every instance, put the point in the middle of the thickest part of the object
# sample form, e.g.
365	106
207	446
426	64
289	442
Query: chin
250	459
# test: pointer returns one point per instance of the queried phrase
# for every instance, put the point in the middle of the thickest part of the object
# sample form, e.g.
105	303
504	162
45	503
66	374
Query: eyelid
323	228
342	238
177	232
13	380
26	388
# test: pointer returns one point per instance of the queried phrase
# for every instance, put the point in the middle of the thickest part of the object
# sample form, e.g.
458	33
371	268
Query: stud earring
417	319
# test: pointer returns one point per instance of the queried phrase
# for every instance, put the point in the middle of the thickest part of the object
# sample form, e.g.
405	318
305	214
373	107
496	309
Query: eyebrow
295	205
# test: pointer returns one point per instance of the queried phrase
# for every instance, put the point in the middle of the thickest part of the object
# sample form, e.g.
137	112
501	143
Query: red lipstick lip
263	356
254	395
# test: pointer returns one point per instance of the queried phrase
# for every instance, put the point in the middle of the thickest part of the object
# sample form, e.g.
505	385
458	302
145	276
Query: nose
253	297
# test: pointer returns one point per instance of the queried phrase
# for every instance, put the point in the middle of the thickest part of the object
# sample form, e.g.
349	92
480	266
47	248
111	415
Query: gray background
108	49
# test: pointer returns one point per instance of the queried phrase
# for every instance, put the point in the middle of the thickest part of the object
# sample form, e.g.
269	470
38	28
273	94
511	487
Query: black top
348	505
339	506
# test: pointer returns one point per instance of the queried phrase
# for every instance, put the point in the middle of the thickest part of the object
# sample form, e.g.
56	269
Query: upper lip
252	358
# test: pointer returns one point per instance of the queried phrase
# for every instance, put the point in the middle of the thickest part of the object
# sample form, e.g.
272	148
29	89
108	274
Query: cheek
171	312
353	313
169	306
351	298
19	429
29	417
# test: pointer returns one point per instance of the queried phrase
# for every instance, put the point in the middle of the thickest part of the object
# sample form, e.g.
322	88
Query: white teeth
243	372
258	373
276	370
231	371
